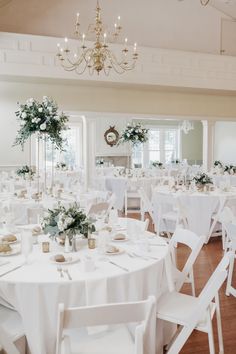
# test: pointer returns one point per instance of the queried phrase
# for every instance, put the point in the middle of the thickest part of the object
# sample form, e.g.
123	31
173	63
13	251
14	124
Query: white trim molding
34	57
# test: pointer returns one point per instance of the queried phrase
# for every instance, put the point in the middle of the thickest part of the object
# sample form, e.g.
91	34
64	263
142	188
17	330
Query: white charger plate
69	259
121	250
13	252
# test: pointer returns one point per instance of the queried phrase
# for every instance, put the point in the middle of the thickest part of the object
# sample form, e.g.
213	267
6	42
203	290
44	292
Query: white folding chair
195	243
12	338
114	340
191	312
34	215
146	204
231	245
98	209
166	214
226	217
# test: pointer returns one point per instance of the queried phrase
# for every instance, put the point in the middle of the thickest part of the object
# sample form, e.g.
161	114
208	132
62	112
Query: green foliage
70	221
134	133
43	118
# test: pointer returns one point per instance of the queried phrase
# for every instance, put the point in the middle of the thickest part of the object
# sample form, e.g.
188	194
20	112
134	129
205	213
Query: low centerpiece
67	222
202	180
230	169
61	166
157	164
26	172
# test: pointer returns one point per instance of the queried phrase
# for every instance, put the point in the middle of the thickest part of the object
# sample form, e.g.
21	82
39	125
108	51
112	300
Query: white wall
225	142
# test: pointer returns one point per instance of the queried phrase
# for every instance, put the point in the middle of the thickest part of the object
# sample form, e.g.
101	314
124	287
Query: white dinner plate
15	250
121	250
69	259
124	240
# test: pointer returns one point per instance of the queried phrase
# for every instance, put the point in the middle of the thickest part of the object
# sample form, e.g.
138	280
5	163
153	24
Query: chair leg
219	325
230	275
210	334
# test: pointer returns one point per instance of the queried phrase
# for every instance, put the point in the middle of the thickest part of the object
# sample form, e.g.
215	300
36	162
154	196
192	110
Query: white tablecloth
35	290
119	185
198	207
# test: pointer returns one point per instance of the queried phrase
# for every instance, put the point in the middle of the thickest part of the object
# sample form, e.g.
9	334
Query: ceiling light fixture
99	57
186	126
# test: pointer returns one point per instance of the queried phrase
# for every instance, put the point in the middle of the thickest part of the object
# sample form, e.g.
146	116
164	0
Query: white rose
128	135
57	118
23	115
40	110
43	126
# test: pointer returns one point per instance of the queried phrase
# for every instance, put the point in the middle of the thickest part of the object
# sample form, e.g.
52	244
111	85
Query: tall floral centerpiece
43	119
202	180
134	134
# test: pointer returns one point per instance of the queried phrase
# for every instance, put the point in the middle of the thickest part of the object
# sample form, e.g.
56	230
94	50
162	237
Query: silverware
59	269
119	266
65	270
11	270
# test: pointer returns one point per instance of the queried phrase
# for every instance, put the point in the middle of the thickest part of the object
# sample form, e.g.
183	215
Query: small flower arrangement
230	169
177	161
157	164
202	179
134	133
26	172
41	117
61	166
100	162
69	221
218	164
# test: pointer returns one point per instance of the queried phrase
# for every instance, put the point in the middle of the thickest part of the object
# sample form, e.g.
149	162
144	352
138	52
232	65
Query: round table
197	207
36	289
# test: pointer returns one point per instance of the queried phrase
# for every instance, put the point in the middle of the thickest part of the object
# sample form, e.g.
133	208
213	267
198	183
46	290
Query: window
72	154
162	145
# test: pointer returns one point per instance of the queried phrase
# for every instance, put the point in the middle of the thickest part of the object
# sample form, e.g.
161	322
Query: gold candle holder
91	243
45	246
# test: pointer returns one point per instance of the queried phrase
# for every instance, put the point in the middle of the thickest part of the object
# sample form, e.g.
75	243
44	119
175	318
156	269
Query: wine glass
26	244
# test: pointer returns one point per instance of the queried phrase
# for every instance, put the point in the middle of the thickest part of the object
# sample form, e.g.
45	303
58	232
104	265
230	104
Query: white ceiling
175	24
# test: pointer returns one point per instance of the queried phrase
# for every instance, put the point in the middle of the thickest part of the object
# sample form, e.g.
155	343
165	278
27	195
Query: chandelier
204	2
186	126
99	57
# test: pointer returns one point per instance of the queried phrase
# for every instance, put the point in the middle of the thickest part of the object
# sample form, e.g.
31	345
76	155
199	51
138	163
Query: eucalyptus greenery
202	179
157	164
61	166
25	172
218	163
134	133
43	118
69	221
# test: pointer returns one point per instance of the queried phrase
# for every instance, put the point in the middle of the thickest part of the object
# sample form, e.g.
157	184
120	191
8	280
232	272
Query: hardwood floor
207	261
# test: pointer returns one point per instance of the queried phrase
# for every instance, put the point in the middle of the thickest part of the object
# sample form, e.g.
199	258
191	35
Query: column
208	143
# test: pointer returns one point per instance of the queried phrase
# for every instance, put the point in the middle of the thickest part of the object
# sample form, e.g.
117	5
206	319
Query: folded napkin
8	266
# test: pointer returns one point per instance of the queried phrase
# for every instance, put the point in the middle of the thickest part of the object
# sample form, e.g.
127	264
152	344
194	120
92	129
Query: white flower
40	109
128	135
43	126
45	98
50	109
57	118
22	123
23	115
136	137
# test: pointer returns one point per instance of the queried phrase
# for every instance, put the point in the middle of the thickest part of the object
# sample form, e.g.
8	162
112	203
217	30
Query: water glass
26	243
